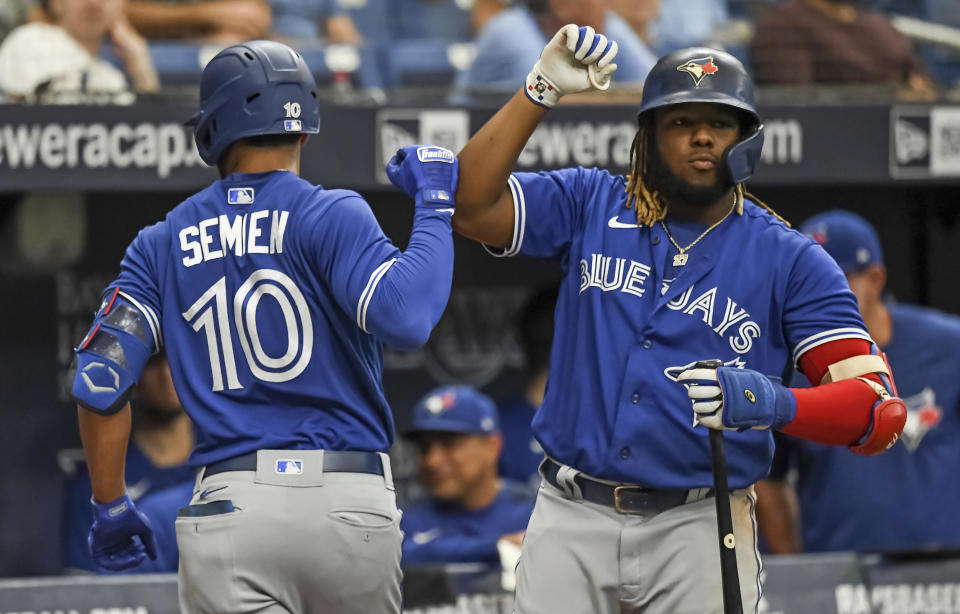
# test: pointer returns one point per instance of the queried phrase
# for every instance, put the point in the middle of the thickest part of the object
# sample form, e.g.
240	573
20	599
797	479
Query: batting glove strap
434	196
753	400
541	90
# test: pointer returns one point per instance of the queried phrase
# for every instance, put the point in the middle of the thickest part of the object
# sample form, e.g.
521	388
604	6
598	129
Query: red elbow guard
887	422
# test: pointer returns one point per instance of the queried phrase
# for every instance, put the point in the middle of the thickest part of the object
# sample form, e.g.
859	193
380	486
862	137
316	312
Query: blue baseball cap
455	409
847	237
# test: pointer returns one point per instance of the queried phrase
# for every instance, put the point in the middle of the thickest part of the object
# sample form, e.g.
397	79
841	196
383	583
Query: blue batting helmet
250	89
701	74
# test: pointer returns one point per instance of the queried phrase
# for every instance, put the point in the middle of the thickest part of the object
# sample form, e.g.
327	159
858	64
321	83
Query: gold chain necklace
681	258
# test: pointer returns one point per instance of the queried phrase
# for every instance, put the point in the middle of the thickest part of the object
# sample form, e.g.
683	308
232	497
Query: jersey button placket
624	453
635	398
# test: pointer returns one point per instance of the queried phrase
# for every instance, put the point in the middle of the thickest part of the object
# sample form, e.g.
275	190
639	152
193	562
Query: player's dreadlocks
650	207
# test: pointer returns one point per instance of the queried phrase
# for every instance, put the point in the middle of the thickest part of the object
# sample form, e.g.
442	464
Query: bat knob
713	363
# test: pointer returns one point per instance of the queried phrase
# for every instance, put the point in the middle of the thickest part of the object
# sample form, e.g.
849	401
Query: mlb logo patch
240	196
292	125
436	195
289	466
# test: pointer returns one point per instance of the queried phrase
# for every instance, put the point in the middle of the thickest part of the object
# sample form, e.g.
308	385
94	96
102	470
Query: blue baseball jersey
908	497
437	532
753	293
142	478
521	454
269	294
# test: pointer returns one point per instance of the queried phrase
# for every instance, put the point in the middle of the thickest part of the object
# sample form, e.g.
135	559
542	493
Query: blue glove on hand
427	174
729	398
121	537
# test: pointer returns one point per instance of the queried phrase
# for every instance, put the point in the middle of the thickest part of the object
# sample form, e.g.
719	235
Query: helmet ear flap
740	159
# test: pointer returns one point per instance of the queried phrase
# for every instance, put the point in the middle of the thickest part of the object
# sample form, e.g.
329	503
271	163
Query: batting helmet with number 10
251	89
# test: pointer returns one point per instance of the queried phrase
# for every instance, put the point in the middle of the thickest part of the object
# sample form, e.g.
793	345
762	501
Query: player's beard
673	188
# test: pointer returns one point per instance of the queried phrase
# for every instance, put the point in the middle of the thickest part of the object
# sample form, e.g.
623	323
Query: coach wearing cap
906	498
469	508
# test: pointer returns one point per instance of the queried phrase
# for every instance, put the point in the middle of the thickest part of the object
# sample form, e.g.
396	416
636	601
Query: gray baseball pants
580	557
312	543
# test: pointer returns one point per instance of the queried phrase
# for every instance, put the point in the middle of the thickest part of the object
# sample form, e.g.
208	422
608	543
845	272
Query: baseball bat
729	576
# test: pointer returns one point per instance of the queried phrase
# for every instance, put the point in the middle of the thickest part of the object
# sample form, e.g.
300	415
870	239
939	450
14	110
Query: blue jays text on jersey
754	294
273	297
910	491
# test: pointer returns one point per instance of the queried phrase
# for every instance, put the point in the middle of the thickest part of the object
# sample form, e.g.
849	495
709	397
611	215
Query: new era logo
240	196
289	466
435	154
292	125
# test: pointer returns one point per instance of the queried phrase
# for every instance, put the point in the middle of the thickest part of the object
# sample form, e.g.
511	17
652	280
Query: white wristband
541	90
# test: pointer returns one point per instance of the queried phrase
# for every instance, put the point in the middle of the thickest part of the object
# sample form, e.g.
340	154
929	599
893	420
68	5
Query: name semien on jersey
257	232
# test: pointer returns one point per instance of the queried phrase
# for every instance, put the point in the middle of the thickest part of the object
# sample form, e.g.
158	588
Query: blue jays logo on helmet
252	89
699	68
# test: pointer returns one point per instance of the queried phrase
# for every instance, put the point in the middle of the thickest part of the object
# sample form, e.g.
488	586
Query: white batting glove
575	60
705	394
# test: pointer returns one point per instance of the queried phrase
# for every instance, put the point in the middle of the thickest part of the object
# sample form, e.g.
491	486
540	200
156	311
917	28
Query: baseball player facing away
273	298
668	266
910	494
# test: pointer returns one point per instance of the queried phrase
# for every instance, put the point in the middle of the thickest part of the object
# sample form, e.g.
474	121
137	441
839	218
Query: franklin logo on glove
435	154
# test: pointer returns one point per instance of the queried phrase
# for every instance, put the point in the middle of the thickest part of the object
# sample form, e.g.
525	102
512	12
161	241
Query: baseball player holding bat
273	298
670	265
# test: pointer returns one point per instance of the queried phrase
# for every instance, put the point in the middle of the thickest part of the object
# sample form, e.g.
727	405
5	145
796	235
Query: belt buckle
616	498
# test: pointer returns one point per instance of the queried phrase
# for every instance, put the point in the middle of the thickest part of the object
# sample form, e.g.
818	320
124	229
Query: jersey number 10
210	313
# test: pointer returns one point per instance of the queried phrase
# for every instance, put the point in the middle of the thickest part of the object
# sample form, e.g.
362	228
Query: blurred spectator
313	20
685	23
510	42
156	459
221	21
446	19
521	452
60	62
639	15
469	509
907	497
483	10
834	41
16	12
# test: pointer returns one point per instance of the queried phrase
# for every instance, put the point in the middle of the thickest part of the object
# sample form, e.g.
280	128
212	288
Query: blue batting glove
729	398
121	537
426	173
